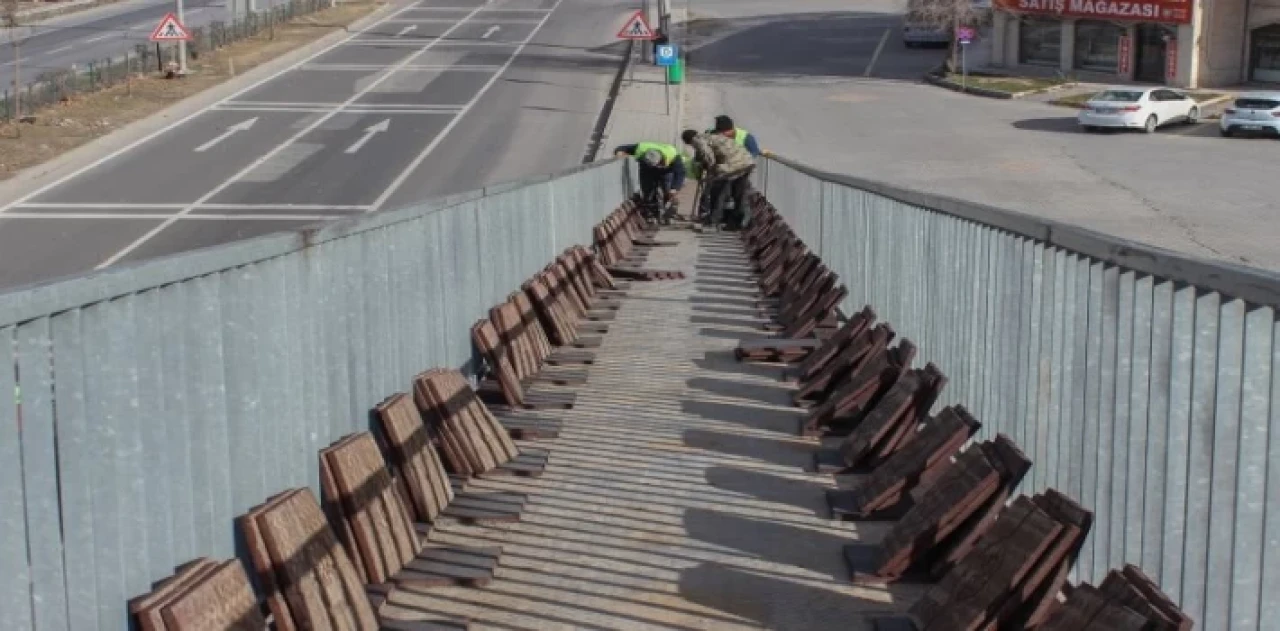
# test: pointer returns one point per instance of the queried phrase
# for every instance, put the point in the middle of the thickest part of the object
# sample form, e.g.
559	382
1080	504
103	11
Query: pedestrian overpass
1117	405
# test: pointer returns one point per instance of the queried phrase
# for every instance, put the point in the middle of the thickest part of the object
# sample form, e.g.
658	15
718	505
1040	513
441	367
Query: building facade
1182	43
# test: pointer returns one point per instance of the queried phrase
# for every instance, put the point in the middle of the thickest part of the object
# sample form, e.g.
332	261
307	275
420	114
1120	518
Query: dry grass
60	128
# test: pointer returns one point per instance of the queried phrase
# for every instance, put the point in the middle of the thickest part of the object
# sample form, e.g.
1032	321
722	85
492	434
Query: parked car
1253	112
1138	108
916	33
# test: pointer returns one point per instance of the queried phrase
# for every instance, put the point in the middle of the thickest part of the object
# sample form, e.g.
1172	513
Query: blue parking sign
666	55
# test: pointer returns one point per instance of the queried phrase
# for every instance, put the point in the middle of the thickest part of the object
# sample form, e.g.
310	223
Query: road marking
182	121
170	219
391	108
350	110
435	142
58	50
98	38
375	67
369	133
492	29
876	56
406	30
246	125
105	206
373	85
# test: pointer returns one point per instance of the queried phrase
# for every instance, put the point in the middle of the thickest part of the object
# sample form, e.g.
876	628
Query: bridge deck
676	497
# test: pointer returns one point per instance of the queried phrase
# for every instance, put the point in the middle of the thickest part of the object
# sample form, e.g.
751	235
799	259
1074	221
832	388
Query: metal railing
49	86
1144	383
160	401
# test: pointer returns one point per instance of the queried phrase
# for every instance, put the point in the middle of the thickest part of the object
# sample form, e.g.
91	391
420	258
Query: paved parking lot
353	129
848	109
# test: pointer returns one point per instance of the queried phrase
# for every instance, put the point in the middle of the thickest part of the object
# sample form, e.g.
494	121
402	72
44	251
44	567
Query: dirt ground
63	127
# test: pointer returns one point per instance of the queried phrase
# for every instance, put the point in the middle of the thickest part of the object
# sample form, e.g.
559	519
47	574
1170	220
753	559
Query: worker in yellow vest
661	165
744	138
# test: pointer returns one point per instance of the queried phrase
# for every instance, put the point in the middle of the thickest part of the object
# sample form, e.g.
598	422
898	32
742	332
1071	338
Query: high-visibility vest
739	135
669	153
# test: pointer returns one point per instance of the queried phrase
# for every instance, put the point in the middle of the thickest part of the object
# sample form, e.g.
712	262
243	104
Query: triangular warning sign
170	30
636	28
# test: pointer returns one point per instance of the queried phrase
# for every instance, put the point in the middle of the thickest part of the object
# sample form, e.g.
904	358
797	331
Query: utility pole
11	25
182	44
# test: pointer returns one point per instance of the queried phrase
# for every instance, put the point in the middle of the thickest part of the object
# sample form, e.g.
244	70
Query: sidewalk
645	109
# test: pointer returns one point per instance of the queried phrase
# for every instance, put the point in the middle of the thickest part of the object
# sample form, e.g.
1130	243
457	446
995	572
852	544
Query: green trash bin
675	73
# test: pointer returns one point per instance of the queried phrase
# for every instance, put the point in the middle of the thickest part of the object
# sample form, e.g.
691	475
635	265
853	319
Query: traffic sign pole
182	45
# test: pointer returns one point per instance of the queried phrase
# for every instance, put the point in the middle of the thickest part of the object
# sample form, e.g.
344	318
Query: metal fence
160	401
51	86
1143	383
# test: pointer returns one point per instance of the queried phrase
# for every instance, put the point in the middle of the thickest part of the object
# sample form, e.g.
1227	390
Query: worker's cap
652	158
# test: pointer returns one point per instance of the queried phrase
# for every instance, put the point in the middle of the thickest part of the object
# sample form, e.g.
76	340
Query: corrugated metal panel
15	574
1146	396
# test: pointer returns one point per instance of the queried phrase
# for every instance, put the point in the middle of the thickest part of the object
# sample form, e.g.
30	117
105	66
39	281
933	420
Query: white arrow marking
369	132
406	30
492	29
231	131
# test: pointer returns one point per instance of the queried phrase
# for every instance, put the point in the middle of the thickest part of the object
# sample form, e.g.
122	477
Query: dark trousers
730	188
651	179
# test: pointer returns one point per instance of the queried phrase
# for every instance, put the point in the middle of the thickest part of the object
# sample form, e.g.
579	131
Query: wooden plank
414	457
881	420
148	608
1116	587
1156	597
380	522
1079	610
264	568
315	573
974	590
939	439
221	600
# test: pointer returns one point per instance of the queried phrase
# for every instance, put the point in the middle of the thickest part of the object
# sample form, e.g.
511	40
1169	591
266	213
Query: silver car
1252	113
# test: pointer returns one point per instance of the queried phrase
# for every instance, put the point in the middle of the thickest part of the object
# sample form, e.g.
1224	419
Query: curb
940	82
31	179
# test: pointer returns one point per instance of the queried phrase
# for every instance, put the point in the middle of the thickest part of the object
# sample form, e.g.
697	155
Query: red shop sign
1171	59
1167	11
1123	55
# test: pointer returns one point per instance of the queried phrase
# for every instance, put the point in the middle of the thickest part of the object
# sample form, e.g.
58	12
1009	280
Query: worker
744	138
726	166
660	165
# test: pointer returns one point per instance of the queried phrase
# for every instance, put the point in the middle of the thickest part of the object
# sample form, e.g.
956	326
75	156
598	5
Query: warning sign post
170	29
637	27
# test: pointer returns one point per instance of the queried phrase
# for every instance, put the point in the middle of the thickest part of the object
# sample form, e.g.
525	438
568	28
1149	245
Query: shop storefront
1136	40
1264	57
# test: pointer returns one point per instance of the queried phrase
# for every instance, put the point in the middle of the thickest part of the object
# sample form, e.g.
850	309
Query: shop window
1097	46
1040	42
1266	54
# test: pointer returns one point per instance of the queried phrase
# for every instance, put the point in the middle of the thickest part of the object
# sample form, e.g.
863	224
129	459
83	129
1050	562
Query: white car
1252	112
1138	108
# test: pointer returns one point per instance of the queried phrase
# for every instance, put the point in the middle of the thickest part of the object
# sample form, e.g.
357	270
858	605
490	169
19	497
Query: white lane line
406	30
58	50
391	41
171	219
492	29
349	110
373	85
105	206
101	206
435	142
98	38
407	107
876	56
375	67
181	121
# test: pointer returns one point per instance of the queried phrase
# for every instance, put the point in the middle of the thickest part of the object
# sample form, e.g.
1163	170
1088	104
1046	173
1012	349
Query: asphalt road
428	101
832	102
91	36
